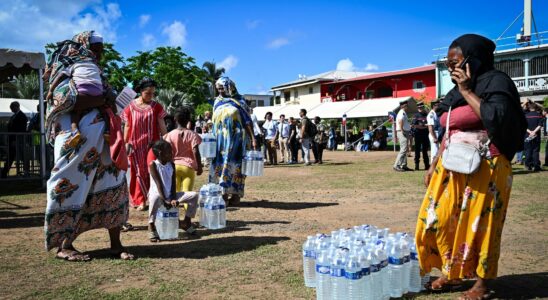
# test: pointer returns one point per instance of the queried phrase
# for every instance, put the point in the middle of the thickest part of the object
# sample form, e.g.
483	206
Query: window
260	102
311	90
369	94
418	86
287	96
359	95
296	93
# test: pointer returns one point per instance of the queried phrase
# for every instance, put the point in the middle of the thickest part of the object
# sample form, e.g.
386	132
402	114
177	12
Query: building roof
431	67
327	76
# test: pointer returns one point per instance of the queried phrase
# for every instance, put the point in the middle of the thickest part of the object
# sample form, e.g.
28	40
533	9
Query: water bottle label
337	272
414	256
309	253
173	214
384	263
365	271
322	270
353	275
221	206
208	140
395	261
375	268
406	259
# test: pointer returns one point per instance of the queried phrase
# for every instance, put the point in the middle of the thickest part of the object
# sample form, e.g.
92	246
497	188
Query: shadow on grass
12	206
9	219
523	172
23	187
284	205
197	249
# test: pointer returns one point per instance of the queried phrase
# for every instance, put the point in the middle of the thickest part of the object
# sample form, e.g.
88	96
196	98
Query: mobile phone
464	62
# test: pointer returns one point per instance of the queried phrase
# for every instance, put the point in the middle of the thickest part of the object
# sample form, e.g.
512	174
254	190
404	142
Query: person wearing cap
421	136
433	123
402	131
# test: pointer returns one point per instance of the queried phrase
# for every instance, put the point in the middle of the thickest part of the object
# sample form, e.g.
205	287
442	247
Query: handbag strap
447	125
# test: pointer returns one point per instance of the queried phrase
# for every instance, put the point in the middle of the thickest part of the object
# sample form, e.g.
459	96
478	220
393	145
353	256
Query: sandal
191	230
72	256
442	284
126	227
475	294
123	255
153	236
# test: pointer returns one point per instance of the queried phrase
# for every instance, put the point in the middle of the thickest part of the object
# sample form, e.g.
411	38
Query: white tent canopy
27	106
335	110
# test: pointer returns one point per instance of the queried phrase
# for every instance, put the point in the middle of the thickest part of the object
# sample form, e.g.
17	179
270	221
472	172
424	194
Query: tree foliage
212	74
25	87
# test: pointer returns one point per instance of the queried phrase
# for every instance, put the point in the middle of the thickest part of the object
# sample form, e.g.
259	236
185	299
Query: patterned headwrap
228	84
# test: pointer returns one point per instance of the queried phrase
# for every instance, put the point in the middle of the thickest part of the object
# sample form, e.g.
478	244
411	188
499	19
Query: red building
419	83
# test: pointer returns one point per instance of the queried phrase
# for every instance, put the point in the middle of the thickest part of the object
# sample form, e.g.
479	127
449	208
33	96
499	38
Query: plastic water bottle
209	146
204	193
365	263
338	282
375	269
222	212
383	261
395	268
404	245
354	279
167	223
425	280
323	272
414	275
215	206
259	163
309	263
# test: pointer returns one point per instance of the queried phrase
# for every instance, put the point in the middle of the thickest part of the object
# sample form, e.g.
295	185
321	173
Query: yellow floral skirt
461	218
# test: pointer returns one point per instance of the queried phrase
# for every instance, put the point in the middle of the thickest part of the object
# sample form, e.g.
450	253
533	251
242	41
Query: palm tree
172	99
25	87
212	73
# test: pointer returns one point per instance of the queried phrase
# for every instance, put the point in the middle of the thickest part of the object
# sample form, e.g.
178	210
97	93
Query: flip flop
72	256
445	286
154	237
127	227
190	230
475	295
123	255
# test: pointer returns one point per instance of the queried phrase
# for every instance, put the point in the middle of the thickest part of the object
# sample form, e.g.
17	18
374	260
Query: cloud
371	67
277	43
345	65
148	40
228	63
143	20
252	24
30	25
176	34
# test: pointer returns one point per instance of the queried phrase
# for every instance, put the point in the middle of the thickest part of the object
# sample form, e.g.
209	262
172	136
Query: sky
266	43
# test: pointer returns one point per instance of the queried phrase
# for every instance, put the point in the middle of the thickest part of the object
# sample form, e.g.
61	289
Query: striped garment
142	130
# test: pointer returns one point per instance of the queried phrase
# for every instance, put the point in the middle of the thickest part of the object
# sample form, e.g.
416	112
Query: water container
424	281
309	262
222	213
354	279
204	194
395	268
323	272
213	206
404	245
366	273
338	282
253	163
375	293
414	274
167	223
383	260
208	147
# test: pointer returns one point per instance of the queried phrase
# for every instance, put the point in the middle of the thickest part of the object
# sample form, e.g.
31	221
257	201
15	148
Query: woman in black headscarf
462	215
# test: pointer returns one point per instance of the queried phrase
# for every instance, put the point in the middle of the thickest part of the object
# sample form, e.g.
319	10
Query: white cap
95	38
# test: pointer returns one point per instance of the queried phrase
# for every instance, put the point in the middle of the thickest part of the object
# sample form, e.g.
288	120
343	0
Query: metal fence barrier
20	156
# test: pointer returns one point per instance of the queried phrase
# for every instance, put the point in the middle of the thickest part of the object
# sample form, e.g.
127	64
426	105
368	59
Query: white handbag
464	154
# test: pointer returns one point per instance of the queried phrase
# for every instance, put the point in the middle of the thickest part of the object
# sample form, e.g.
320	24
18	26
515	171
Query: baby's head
162	151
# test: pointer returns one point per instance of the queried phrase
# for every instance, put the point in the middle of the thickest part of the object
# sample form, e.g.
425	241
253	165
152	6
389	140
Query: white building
306	89
255	100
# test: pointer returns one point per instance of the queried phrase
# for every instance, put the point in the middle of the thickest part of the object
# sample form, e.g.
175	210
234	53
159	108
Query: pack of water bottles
212	206
364	262
253	163
167	223
208	147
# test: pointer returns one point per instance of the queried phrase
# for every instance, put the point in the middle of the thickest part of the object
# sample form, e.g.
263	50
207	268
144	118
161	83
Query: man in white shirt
271	138
283	136
433	123
403	129
257	132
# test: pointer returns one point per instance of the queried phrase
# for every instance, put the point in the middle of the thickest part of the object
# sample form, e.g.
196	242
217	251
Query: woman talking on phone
461	218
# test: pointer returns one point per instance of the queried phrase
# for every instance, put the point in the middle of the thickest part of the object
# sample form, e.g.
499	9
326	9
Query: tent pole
42	131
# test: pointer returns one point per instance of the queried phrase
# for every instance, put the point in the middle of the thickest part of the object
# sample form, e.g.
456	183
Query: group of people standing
87	188
287	137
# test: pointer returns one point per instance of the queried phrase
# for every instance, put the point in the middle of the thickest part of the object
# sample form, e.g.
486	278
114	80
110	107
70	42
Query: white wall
303	95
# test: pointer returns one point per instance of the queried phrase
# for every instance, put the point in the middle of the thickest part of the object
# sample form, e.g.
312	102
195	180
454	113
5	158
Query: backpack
311	129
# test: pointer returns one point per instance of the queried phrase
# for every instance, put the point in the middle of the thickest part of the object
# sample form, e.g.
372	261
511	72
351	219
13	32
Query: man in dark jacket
17	123
532	137
421	136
